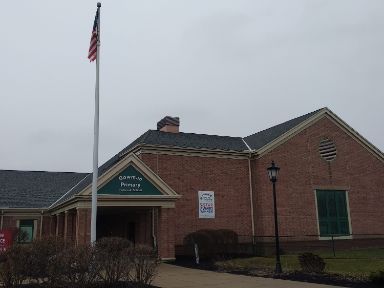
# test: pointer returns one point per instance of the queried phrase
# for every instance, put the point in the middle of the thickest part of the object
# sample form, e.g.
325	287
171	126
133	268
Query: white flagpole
96	136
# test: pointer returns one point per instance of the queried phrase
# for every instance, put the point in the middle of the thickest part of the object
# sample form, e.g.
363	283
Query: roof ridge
191	133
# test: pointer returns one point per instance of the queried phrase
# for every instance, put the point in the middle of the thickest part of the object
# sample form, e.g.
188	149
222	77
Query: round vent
327	149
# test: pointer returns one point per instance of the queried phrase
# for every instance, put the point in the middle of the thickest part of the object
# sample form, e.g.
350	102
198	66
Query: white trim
246	144
2	220
349	212
132	159
68	192
41	226
325	112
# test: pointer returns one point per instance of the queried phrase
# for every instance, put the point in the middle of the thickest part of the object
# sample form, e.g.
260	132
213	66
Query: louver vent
327	149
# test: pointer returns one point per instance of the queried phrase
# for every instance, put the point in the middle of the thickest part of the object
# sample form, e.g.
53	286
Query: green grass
355	262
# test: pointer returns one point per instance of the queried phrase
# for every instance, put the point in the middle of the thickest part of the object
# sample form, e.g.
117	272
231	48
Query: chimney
169	124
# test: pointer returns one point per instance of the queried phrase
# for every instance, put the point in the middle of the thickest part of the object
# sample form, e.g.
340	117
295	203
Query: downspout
153	230
250	190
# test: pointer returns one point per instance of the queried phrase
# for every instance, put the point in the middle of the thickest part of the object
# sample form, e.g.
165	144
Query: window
333	212
26	228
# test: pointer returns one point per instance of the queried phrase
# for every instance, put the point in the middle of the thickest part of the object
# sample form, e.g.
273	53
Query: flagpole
96	136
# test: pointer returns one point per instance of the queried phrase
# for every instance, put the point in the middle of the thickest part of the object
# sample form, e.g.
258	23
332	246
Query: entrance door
132	223
130	230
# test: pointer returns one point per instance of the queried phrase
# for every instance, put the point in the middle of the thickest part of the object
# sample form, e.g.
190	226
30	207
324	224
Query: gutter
250	189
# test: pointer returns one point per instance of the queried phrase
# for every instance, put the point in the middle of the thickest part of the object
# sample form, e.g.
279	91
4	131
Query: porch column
65	234
60	225
84	226
166	236
69	225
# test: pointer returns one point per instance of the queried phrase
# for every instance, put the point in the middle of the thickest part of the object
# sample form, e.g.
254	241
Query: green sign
129	182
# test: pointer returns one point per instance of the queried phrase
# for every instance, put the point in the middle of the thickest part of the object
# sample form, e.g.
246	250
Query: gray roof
34	189
159	138
43	189
262	138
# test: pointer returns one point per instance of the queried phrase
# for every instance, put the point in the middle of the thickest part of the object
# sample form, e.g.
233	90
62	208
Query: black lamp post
272	174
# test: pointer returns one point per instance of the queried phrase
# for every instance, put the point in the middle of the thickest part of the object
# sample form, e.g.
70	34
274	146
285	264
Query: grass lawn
354	262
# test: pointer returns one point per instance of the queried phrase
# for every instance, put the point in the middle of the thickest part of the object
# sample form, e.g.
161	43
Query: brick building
167	184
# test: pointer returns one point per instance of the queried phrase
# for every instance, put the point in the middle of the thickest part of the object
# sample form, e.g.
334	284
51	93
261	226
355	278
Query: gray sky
224	67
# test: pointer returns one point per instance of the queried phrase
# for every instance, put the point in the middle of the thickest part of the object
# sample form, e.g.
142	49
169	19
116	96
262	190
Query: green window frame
26	228
332	211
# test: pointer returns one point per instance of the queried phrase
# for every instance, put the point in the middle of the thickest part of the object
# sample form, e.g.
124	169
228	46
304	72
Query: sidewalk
171	276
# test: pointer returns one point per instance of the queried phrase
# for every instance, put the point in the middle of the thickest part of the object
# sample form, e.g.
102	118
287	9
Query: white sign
206	204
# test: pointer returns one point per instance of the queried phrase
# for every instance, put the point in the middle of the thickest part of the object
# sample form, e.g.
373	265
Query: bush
39	257
114	256
13	265
377	277
75	266
311	263
145	263
53	263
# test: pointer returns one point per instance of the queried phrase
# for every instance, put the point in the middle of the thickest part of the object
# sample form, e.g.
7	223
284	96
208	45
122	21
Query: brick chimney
169	124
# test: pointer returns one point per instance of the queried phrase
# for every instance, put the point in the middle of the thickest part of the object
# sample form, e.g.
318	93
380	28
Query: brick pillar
47	226
166	233
65	234
69	223
84	226
52	225
60	225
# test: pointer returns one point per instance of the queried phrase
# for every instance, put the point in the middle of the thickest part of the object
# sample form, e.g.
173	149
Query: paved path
171	276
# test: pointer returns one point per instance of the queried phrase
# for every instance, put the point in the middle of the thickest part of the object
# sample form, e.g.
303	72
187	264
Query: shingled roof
262	138
34	189
49	189
166	139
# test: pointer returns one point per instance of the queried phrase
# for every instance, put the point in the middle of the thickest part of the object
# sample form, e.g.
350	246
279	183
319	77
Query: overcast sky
224	67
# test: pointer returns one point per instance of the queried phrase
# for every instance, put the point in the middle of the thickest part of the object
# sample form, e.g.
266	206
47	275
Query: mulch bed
326	278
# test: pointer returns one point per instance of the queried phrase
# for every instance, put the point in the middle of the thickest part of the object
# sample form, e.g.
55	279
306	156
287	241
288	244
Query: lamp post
272	174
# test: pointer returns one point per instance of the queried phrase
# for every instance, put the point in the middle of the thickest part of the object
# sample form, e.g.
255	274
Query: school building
167	184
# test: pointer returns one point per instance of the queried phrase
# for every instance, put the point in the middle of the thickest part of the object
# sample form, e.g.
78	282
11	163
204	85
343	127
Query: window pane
323	225
331	204
322	204
341	204
26	229
344	227
332	212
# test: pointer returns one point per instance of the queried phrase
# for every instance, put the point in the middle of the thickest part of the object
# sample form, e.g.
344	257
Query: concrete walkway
171	276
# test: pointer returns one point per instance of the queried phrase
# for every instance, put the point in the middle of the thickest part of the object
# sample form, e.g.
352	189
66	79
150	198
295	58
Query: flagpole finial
98	4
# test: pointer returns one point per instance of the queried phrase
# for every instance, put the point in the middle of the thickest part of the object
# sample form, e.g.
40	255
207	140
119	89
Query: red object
92	53
6	239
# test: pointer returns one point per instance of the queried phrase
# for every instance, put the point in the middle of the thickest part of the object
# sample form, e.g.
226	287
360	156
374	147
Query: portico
133	203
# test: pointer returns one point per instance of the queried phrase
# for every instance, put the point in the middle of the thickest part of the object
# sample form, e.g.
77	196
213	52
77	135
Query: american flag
92	53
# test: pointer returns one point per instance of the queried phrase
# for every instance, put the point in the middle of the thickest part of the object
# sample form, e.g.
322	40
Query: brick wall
187	175
303	170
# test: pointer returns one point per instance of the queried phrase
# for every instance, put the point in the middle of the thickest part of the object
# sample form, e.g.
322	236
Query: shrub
73	267
113	255
311	263
39	257
145	263
19	236
13	265
377	277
